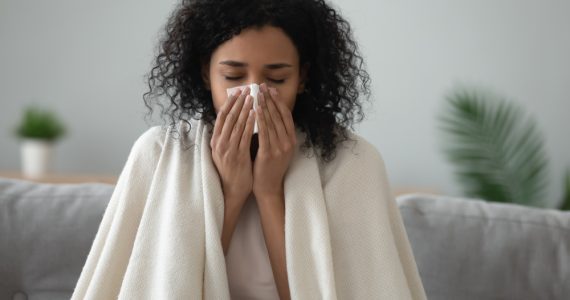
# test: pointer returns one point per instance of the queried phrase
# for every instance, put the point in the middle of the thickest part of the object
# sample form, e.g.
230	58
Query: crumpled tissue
253	91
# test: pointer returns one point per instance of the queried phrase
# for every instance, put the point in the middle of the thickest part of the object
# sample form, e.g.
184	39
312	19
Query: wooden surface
397	191
62	177
86	178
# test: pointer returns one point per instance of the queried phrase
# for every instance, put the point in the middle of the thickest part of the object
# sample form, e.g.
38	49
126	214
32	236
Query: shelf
398	191
86	178
62	177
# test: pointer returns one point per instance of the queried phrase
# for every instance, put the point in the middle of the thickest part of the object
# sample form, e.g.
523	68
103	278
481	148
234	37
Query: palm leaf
498	154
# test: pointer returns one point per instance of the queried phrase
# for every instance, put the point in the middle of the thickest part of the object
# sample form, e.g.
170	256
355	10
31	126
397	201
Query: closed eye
272	80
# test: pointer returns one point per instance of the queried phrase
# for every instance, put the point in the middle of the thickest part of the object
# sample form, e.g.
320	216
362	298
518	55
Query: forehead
258	46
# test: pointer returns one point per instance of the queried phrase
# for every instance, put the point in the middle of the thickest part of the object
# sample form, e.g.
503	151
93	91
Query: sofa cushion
46	231
474	249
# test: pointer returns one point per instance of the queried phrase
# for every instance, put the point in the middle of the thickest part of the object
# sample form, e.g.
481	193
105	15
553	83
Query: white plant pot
37	156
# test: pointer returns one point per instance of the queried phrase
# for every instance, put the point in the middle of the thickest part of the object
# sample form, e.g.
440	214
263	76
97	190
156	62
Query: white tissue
253	91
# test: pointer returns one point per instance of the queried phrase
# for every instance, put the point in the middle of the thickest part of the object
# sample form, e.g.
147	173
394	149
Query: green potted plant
38	131
497	150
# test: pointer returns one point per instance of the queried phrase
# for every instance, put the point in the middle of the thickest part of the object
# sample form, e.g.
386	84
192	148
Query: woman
289	225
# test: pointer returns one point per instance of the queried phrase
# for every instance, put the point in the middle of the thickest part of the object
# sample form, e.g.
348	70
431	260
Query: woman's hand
277	143
230	143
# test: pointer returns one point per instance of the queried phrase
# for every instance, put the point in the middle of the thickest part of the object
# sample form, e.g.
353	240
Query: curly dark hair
335	81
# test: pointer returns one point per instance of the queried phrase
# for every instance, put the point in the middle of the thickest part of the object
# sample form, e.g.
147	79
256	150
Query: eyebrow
234	63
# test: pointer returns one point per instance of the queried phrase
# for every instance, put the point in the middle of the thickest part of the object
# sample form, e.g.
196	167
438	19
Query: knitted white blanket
160	236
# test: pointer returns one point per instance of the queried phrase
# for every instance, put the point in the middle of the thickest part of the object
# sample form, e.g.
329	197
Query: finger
233	115
263	134
269	122
285	114
247	134
221	117
276	117
240	124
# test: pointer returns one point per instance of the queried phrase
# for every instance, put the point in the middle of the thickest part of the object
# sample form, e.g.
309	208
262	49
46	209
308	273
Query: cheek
289	101
219	97
287	96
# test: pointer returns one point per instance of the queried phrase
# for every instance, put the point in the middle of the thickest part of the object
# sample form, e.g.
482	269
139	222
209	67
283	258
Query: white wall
86	59
417	50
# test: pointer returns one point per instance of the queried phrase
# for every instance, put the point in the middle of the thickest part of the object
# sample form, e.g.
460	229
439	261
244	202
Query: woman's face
255	56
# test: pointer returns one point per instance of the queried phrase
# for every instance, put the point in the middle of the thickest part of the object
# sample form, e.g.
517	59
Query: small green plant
40	124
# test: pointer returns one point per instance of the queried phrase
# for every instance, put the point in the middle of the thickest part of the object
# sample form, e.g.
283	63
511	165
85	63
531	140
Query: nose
258	81
257	78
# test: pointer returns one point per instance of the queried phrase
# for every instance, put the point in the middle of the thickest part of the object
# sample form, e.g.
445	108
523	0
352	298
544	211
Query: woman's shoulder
152	136
362	147
156	136
355	153
356	149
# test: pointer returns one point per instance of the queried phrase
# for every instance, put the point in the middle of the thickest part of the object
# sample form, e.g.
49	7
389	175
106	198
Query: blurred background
86	61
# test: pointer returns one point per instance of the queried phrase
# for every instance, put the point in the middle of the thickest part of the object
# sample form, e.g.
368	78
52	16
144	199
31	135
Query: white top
247	262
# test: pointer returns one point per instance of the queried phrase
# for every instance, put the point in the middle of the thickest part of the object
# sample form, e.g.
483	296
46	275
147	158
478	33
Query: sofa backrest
46	232
474	249
464	248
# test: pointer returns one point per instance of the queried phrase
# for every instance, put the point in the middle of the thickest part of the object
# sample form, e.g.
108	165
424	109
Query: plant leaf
498	153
